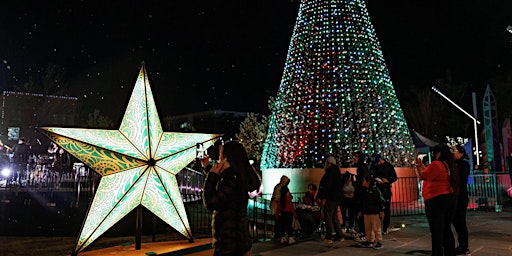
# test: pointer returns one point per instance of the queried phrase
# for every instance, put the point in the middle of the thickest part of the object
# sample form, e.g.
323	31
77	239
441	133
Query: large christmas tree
336	94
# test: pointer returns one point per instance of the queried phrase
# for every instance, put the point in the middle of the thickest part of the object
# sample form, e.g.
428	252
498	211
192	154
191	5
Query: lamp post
475	122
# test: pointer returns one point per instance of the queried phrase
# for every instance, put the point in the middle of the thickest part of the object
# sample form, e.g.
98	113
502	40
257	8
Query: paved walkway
490	233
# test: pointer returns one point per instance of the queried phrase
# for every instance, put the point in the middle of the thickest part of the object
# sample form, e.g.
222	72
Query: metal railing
66	188
488	191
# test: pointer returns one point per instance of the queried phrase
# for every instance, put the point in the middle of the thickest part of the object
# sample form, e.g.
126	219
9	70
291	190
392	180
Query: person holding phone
226	193
385	175
440	187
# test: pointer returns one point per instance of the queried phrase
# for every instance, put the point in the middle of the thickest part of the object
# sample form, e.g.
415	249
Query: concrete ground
490	233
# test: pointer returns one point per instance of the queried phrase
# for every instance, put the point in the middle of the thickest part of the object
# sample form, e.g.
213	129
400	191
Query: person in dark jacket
21	153
226	193
384	175
330	194
459	219
361	172
371	205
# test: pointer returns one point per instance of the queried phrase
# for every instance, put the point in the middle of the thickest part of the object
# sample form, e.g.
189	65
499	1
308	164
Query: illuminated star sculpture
138	164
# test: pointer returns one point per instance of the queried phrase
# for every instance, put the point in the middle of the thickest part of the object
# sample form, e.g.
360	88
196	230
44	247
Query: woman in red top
439	189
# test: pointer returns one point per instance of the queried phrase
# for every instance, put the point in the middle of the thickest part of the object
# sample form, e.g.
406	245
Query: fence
486	191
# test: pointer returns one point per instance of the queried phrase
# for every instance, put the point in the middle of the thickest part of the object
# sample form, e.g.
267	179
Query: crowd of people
343	203
23	164
358	205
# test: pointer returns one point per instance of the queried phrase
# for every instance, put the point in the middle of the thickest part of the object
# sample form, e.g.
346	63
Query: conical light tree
336	95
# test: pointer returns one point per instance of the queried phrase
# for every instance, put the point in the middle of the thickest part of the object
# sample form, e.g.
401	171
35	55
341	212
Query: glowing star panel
137	163
110	140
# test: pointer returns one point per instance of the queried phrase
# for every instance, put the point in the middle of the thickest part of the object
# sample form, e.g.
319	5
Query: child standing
372	207
286	213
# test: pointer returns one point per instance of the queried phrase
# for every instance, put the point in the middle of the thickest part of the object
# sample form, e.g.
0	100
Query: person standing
440	187
348	203
384	175
359	159
372	210
21	153
274	202
226	193
330	194
276	194
459	220
285	212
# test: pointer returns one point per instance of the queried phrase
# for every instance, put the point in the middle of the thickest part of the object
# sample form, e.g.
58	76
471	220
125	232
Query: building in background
22	113
213	121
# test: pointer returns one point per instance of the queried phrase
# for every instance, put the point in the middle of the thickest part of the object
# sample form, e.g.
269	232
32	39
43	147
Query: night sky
230	55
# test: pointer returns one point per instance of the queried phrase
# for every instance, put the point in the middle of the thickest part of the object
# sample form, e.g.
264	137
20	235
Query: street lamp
475	122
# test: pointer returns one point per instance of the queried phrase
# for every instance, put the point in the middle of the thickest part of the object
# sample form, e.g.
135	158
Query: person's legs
351	213
376	227
278	231
370	236
434	212
331	219
344	214
329	211
286	222
459	223
336	222
448	239
361	226
387	215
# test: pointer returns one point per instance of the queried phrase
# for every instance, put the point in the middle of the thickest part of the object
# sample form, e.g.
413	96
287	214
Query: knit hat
375	158
331	160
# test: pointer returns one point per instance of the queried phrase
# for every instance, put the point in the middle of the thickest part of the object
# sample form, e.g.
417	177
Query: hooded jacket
331	185
276	195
